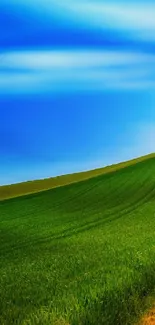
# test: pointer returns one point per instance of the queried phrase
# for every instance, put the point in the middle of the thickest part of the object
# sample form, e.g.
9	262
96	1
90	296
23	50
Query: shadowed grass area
80	254
15	190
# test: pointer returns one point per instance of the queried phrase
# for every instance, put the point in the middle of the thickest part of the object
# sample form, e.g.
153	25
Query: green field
16	190
80	254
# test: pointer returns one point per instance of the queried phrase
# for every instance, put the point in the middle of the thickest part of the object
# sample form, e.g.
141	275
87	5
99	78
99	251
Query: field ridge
35	186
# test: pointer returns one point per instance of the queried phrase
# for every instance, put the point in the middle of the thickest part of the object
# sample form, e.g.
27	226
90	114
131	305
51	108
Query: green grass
16	190
82	253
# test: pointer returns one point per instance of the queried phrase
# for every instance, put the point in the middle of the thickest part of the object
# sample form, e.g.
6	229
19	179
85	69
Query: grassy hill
80	254
15	190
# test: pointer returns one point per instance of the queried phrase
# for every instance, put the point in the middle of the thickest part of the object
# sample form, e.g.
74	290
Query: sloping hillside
15	190
82	253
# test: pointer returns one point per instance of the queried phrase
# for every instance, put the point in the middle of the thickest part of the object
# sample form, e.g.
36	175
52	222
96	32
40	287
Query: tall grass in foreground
80	254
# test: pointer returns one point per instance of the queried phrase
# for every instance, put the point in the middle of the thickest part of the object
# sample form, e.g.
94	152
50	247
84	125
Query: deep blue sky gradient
47	131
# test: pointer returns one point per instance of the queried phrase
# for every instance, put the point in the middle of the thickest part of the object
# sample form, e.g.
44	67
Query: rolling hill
29	187
82	253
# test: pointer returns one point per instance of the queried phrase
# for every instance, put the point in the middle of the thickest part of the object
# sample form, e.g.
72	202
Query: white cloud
136	17
51	59
47	71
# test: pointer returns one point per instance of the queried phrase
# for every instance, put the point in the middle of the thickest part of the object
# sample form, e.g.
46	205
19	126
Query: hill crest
35	186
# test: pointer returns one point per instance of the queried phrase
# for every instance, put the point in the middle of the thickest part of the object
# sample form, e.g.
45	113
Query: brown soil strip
148	319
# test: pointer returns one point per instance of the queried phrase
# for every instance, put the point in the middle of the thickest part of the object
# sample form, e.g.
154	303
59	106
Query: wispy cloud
134	17
80	46
71	58
47	71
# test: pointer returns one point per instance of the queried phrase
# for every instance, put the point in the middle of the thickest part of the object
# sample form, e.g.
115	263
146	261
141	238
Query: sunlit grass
80	254
15	190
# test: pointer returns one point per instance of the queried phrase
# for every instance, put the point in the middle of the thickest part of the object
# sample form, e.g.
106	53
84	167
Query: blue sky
77	82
